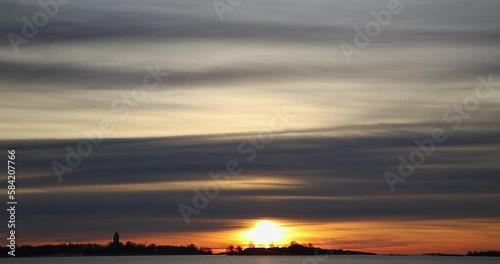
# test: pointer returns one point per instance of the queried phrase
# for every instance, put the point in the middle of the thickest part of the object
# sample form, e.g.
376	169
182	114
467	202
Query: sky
166	92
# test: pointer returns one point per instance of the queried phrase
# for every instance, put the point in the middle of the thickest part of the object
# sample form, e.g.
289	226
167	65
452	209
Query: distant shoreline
249	256
133	249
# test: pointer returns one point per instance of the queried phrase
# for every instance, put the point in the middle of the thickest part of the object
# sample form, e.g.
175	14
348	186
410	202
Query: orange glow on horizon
397	237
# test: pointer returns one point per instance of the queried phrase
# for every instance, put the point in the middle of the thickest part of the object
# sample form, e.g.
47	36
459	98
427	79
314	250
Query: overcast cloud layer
221	81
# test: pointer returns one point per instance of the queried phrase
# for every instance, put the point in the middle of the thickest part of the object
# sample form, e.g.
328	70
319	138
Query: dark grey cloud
82	22
66	76
330	178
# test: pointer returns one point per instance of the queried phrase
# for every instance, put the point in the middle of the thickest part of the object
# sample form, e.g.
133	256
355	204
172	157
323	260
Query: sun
266	232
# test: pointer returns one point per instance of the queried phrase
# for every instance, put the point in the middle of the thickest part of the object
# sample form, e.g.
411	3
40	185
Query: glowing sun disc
266	232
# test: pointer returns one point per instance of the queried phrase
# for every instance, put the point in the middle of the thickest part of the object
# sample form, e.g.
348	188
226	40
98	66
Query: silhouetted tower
116	239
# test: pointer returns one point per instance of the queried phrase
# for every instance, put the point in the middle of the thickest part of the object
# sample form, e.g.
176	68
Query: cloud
318	178
353	120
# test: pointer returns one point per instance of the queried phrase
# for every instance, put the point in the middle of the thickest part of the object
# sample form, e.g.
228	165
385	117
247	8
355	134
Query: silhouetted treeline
110	249
489	253
293	249
442	255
